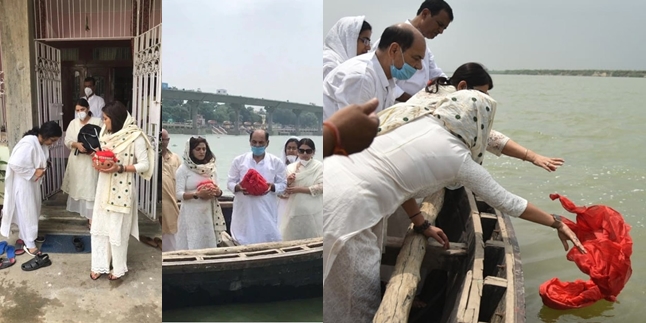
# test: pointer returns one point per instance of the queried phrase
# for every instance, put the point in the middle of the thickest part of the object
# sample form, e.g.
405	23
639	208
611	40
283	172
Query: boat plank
493	290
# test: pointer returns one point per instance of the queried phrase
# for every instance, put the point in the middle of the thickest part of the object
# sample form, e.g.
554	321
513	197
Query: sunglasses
305	151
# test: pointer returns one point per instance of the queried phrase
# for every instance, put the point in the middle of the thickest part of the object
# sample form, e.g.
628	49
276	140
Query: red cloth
604	234
205	184
104	159
254	183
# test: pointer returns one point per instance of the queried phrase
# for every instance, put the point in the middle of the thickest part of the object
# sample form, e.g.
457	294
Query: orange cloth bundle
604	234
104	159
254	183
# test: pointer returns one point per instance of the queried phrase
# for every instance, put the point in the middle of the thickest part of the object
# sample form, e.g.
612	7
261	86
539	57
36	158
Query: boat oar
400	292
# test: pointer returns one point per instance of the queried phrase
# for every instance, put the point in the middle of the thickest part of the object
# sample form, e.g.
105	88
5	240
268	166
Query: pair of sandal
95	276
155	243
38	261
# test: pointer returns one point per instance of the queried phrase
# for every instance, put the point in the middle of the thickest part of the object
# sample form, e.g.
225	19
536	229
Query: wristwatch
557	221
195	196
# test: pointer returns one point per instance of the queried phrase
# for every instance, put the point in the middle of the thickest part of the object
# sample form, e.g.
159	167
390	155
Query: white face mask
291	158
88	91
81	115
305	162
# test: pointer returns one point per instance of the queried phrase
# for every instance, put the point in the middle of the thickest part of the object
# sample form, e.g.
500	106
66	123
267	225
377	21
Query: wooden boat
479	279
231	273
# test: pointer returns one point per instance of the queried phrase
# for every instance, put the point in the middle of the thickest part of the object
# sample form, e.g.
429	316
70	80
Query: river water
226	148
595	124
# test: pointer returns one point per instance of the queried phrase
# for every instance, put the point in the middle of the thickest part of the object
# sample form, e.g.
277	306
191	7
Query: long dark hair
117	113
472	73
307	141
194	142
49	129
83	102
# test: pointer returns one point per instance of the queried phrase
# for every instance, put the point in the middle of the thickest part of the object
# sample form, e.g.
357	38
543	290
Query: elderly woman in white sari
427	149
115	214
200	221
22	197
303	214
349	37
80	177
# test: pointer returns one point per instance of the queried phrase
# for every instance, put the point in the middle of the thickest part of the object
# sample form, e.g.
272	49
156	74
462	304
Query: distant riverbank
597	73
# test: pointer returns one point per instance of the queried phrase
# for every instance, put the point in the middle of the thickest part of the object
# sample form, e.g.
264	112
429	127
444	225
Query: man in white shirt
96	102
368	76
433	17
255	218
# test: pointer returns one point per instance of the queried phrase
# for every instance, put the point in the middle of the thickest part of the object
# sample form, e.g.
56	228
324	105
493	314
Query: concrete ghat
64	292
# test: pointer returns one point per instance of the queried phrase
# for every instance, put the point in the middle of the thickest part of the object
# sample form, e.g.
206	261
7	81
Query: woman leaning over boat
26	167
201	221
80	177
115	214
417	155
302	217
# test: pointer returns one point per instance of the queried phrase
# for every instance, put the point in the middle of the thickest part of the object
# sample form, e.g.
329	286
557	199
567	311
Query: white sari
303	214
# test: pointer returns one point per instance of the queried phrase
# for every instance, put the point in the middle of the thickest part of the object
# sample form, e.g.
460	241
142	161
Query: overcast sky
513	34
268	49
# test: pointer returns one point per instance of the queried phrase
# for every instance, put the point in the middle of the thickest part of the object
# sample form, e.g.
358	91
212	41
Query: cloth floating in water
604	234
254	183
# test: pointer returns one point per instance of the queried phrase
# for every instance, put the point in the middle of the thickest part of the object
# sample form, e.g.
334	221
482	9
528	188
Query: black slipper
20	245
78	244
39	261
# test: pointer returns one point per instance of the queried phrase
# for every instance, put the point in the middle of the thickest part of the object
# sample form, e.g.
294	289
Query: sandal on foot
97	276
39	261
19	247
24	248
10	260
113	277
78	244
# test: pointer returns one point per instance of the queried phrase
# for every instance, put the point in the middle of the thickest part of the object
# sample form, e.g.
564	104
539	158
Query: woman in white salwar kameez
349	37
417	155
115	215
303	214
22	197
200	220
80	176
290	155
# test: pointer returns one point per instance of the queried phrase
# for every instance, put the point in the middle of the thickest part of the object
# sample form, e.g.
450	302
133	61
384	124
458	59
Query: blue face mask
257	151
405	73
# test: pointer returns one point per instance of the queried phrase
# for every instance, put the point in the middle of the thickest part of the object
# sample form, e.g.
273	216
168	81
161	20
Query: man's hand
357	126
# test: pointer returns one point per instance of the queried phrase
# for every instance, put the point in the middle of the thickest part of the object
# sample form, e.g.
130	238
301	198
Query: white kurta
362	190
303	215
111	230
22	196
195	221
356	81
254	218
80	177
429	71
340	43
96	105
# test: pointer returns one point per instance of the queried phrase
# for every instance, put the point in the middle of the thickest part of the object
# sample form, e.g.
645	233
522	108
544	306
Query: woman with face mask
79	182
290	150
22	197
302	217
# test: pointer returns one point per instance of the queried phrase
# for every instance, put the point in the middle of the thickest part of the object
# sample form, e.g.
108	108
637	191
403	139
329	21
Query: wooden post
400	292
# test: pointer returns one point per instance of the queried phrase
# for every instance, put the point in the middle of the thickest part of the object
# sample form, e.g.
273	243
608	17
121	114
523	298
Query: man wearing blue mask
370	75
254	218
433	17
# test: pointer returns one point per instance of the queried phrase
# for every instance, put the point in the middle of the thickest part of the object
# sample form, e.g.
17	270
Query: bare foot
94	275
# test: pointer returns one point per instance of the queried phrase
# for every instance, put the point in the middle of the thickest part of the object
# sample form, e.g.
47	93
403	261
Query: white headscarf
341	42
284	159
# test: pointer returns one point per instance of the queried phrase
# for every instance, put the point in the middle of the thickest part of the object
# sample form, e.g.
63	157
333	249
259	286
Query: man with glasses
433	17
254	218
368	76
